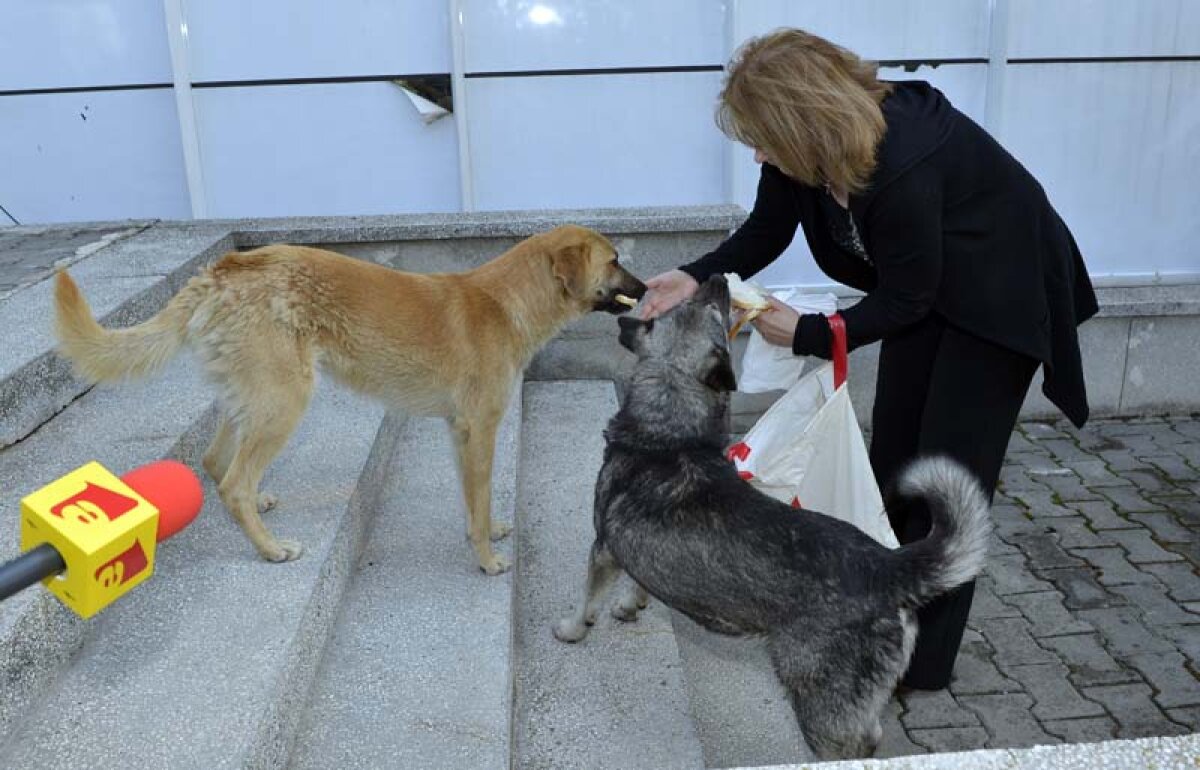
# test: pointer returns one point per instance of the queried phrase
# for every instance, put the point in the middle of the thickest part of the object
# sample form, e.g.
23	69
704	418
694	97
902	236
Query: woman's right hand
665	291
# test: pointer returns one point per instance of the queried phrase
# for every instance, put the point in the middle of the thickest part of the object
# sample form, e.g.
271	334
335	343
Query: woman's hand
777	325
665	291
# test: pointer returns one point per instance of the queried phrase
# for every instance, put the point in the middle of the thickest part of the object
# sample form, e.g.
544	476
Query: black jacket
953	224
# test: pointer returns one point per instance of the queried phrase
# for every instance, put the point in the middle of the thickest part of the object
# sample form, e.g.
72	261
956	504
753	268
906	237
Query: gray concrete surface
616	699
209	665
418	671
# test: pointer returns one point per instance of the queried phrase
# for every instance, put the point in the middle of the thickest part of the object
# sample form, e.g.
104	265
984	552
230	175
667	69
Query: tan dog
446	344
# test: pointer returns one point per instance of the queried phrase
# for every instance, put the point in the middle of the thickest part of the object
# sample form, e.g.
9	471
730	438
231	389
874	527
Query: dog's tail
104	355
955	549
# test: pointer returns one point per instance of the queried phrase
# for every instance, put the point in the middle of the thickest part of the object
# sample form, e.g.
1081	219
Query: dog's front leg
475	442
602	570
634	600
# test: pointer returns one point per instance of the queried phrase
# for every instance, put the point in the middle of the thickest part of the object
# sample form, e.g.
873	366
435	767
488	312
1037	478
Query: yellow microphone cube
104	531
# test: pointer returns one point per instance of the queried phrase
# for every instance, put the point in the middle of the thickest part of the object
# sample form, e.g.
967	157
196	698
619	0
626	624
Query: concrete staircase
384	645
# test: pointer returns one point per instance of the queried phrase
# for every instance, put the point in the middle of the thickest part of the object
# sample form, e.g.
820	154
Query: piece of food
624	300
747	298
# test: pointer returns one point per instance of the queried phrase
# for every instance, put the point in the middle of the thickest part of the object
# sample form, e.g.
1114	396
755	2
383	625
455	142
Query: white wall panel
61	43
123	161
276	39
963	85
1117	147
1077	28
352	148
877	30
505	35
595	140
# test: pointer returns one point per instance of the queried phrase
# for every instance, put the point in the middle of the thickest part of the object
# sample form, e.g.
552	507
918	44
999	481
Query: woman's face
759	156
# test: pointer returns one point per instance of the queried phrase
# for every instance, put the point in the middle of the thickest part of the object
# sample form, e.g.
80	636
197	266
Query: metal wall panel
1093	28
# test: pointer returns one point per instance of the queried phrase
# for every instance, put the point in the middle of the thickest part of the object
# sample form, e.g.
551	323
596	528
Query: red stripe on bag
745	475
837	325
795	502
739	451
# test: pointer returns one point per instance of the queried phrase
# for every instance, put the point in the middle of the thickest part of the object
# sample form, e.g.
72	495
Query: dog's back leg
267	400
219	455
602	570
839	680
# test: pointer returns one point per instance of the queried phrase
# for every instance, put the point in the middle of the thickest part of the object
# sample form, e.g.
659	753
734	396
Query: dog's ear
633	332
570	266
721	377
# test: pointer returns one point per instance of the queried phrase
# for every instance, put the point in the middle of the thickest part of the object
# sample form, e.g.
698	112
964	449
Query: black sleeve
904	228
761	238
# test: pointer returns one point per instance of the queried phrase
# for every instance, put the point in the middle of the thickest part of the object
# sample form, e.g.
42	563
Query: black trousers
943	391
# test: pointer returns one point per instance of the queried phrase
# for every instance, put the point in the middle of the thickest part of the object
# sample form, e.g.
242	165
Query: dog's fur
836	609
436	344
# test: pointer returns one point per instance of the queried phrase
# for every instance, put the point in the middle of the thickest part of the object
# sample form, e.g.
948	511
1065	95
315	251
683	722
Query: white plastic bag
772	367
808	450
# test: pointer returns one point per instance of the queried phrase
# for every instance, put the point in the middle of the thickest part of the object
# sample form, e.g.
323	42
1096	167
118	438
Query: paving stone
1068	488
1013	520
1155	606
1095	473
1040	431
1121	460
1065	450
1102	515
1180	578
1015	477
1017	443
1174	468
986	604
1053	694
1135	712
1046	614
1042	503
1165	526
1012	643
1123	631
1074	532
1088	662
895	741
1187	427
1187	509
1115	568
1151	482
1081	590
1008	720
1188	715
1128	500
1141	444
1186	640
1010	575
947	739
923	708
1167	672
1043	551
1189	551
1140	547
1091	730
1164	435
976	674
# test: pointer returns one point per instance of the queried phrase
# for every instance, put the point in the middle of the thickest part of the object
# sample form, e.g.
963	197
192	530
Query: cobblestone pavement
1085	624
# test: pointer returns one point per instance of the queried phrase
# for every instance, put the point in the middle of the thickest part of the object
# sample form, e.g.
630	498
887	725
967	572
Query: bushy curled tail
105	355
955	550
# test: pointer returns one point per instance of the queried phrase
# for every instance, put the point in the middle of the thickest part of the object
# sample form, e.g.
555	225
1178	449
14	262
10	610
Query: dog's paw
283	550
570	630
625	612
267	501
497	565
500	530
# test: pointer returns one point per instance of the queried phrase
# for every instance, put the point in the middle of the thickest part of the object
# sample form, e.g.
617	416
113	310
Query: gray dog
835	607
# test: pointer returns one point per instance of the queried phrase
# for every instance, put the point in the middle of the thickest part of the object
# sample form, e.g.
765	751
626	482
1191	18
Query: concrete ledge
1141	754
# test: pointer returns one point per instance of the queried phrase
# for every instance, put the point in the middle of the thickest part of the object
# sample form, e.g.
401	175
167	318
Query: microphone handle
29	568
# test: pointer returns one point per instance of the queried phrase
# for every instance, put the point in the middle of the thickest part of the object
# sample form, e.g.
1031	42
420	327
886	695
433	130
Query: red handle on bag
841	363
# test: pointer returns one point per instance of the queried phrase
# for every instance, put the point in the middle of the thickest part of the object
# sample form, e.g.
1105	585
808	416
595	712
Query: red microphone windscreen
173	489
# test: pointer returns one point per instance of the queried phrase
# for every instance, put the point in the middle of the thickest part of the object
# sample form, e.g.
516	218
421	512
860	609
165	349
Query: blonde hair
813	107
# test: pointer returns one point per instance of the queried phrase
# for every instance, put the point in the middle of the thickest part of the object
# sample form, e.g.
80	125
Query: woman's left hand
777	325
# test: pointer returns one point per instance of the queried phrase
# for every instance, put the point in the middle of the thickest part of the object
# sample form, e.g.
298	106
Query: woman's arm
904	227
761	238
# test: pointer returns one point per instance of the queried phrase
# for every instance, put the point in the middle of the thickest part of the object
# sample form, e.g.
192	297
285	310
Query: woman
971	278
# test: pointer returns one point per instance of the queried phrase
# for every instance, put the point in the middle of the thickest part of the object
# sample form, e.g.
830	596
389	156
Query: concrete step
126	282
616	699
418	671
741	710
122	428
210	663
